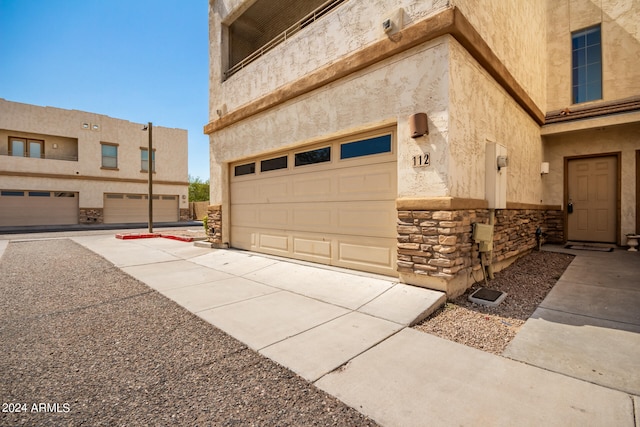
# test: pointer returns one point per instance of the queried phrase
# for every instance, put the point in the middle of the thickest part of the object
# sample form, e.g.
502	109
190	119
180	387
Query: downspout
492	220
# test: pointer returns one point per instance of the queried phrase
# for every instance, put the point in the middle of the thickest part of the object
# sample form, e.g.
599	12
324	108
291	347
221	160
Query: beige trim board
439	203
89	178
454	203
449	21
532	206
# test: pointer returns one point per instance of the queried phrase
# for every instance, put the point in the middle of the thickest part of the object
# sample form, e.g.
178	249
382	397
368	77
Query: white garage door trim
32	207
122	208
337	209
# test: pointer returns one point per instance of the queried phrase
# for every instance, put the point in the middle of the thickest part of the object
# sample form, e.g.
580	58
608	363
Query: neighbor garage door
18	207
332	203
129	208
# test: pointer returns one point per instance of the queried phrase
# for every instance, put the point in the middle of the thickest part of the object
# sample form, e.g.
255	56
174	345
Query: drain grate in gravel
526	282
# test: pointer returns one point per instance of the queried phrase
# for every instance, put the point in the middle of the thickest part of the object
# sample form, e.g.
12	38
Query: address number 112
421	160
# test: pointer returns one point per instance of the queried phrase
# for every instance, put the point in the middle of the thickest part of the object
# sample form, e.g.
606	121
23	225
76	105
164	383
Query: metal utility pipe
492	220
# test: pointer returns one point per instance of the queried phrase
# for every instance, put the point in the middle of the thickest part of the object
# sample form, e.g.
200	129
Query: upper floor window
587	65
23	147
144	160
109	156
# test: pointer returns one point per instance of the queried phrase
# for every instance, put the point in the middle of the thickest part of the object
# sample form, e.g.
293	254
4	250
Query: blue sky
138	60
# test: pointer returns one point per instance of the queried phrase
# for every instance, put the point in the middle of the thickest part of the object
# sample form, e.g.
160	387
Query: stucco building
320	152
73	167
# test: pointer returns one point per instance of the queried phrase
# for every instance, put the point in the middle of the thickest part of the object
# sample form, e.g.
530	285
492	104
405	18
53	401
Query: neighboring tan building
316	110
72	167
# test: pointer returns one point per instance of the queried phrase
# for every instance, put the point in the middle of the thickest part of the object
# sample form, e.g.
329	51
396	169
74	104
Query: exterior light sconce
503	162
418	125
544	168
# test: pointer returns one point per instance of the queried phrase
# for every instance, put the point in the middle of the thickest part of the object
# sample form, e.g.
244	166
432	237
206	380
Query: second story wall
619	23
515	31
73	141
348	28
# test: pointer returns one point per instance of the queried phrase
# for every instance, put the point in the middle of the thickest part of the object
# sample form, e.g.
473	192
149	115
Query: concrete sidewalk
588	326
314	320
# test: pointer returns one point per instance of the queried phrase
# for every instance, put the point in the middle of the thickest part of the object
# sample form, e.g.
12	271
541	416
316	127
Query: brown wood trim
439	203
89	178
637	230
449	21
532	206
594	110
618	156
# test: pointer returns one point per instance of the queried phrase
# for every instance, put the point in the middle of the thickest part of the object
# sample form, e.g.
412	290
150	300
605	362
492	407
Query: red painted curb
180	238
131	236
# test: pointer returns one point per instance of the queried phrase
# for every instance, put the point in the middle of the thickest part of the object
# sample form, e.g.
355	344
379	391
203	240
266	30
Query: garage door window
12	193
246	169
366	147
314	156
273	164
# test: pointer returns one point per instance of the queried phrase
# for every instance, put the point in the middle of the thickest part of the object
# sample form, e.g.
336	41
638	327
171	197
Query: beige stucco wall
515	31
349	28
380	95
66	127
624	139
480	111
620	20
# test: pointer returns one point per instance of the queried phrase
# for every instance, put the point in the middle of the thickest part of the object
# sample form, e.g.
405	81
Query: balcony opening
266	24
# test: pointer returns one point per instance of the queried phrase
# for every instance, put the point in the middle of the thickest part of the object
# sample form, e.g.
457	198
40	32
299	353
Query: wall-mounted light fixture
418	125
544	168
502	162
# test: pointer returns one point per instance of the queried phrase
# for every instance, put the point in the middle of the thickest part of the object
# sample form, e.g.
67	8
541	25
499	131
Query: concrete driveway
347	334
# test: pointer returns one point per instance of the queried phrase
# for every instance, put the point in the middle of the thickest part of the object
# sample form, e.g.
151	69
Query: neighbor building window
23	147
144	157
587	65
109	156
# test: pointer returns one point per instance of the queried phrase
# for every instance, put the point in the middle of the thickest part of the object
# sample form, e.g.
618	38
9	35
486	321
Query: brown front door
592	199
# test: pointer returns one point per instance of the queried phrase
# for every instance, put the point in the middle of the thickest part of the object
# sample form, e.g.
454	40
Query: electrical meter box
483	234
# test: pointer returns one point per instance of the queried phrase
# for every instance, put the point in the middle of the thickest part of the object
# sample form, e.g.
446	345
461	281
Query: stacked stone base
436	249
214	226
184	215
91	216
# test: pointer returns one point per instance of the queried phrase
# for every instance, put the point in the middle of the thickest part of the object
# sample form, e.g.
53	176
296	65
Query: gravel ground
101	348
526	282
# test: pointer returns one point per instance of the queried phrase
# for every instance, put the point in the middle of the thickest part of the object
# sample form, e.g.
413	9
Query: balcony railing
304	22
46	157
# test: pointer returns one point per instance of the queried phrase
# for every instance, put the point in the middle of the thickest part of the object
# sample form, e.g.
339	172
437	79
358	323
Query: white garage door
332	203
129	208
18	207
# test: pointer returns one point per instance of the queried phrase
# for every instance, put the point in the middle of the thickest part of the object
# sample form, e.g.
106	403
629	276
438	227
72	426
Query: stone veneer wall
91	216
214	223
185	215
438	244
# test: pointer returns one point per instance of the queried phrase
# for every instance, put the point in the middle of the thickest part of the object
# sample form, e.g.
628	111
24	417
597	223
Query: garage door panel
367	183
312	186
315	248
134	208
367	219
366	254
312	217
273	242
338	212
44	209
245	192
273	216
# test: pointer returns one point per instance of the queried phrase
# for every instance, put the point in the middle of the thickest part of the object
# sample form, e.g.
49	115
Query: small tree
198	189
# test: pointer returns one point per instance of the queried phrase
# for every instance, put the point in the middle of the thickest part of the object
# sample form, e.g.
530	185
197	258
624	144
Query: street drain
488	297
